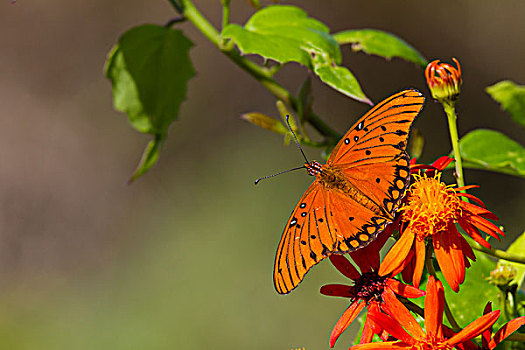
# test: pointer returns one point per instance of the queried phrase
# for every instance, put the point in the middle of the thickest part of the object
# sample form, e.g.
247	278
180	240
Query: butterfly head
313	168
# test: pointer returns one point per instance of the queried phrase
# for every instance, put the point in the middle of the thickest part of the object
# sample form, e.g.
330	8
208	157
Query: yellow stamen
431	206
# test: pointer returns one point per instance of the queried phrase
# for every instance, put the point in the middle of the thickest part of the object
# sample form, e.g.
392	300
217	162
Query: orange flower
403	326
368	291
431	212
443	80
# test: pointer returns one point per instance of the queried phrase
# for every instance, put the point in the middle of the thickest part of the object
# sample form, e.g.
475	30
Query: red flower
369	289
443	80
431	212
403	326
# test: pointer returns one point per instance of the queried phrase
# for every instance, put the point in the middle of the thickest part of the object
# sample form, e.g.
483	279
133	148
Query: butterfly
354	195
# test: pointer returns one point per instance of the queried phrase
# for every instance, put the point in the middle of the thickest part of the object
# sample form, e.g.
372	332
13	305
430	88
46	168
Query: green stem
225	13
176	5
450	111
432	271
261	74
500	254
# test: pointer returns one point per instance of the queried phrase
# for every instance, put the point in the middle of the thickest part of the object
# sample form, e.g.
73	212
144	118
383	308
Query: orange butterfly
354	195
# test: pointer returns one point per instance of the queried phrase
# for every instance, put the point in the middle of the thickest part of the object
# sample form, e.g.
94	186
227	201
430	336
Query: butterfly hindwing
354	225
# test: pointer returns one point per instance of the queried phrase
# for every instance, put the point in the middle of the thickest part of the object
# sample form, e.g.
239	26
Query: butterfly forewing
371	158
386	124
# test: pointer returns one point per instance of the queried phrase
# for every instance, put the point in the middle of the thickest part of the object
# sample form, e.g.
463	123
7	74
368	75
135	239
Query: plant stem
171	22
450	111
225	13
176	5
261	74
500	254
432	271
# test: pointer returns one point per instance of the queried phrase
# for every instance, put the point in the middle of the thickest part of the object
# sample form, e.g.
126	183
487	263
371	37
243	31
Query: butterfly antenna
295	138
279	173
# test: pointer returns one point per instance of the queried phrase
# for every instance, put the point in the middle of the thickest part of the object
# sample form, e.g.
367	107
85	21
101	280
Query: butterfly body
354	195
331	178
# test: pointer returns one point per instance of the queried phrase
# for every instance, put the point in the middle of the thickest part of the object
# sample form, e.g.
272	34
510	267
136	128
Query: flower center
369	286
431	206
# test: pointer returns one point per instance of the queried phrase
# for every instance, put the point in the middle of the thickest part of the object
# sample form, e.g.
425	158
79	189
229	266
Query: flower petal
456	252
397	254
383	345
486	226
403	289
434	306
408	271
473	233
345	320
467	345
485	336
467	250
365	257
405	265
344	266
400	313
419	261
474	329
472	197
442	162
507	329
467	187
477	210
338	290
392	327
370	327
444	259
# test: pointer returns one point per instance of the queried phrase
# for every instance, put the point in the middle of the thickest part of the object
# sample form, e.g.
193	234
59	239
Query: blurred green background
183	258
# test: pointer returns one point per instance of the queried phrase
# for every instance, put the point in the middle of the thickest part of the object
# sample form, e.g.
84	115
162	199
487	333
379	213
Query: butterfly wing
372	158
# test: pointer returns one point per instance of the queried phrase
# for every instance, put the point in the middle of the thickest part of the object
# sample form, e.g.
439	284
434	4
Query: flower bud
503	275
443	80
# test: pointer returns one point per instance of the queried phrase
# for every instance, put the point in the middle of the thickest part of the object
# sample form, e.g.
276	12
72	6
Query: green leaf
492	150
517	248
377	42
149	157
511	97
286	34
340	79
149	69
